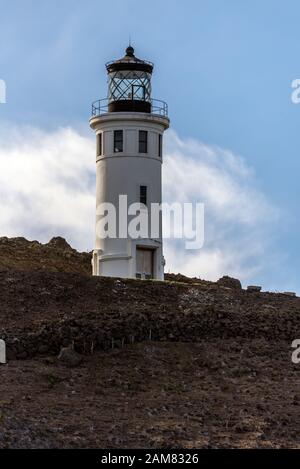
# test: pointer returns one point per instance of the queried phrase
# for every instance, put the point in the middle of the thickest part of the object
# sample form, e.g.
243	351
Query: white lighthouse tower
129	127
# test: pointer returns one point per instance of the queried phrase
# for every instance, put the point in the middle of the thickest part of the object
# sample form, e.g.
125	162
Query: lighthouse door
144	263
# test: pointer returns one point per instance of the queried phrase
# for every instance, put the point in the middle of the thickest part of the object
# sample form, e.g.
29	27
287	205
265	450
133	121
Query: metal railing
158	107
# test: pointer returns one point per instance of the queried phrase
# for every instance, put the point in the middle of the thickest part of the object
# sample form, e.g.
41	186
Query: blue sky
224	67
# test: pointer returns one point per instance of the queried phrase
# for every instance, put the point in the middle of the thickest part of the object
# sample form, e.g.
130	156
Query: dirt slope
155	395
216	373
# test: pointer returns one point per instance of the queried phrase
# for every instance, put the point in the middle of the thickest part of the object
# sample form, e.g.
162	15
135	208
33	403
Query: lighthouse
129	126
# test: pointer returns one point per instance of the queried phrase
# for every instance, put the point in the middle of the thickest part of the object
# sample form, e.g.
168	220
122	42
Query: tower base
143	260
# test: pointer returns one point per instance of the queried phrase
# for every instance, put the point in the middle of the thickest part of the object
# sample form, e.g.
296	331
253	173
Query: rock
254	288
289	293
59	243
11	353
43	348
230	282
69	357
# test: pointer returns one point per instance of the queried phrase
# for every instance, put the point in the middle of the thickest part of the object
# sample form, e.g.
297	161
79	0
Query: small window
99	144
143	195
143	141
118	141
160	145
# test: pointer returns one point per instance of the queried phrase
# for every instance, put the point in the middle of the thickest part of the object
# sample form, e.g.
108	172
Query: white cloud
47	185
238	217
47	188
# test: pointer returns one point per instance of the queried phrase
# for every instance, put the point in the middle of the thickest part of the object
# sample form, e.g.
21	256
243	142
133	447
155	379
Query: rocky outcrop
230	282
55	256
59	243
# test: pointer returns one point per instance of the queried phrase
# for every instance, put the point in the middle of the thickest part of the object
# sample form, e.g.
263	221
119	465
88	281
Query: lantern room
129	84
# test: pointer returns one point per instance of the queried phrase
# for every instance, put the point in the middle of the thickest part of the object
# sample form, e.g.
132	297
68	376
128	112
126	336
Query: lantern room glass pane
129	85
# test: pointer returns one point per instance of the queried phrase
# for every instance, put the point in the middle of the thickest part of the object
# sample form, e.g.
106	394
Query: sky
225	70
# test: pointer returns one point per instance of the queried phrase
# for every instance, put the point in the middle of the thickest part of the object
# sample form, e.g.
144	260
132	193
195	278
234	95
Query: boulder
59	243
69	357
230	282
254	288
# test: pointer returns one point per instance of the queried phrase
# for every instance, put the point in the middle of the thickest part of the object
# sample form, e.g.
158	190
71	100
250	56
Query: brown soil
216	374
155	395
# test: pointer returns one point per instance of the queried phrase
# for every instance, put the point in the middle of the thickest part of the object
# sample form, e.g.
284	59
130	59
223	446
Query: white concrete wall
124	173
